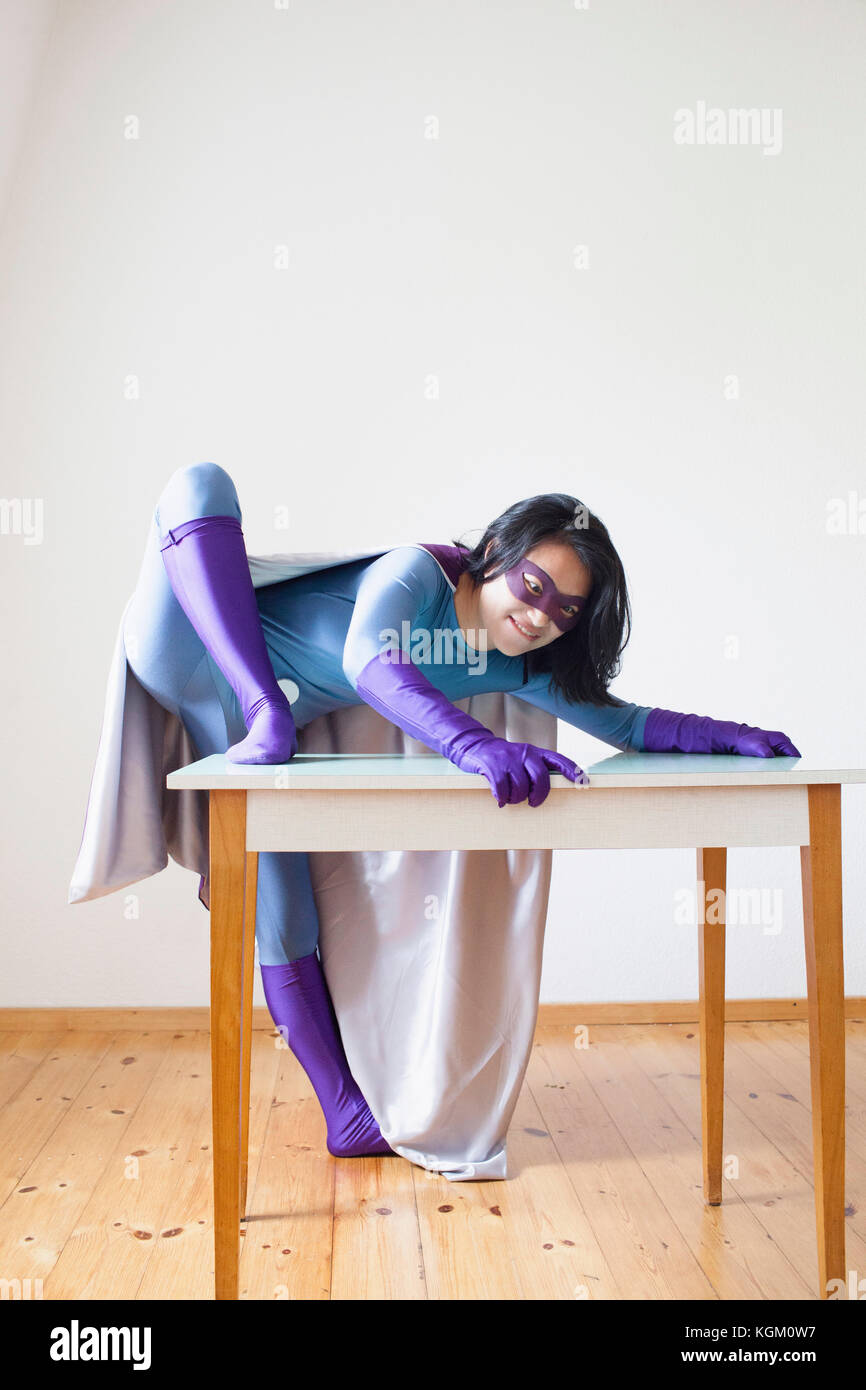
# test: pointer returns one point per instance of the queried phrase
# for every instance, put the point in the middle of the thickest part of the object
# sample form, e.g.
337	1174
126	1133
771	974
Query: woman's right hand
517	771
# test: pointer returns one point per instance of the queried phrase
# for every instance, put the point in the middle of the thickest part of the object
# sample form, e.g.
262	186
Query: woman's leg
172	662
201	540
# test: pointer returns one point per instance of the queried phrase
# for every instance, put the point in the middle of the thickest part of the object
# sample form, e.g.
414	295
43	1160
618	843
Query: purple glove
668	732
403	694
514	770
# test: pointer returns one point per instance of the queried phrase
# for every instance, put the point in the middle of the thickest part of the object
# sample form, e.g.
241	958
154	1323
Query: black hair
584	660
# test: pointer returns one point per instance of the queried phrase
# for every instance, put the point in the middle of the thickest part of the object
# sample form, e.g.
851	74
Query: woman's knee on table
196	489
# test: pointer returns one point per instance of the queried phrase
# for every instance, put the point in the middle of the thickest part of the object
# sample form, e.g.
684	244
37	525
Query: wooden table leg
712	873
252	873
821	867
228	815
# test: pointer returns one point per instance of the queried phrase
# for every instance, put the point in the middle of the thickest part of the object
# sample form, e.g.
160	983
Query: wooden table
635	801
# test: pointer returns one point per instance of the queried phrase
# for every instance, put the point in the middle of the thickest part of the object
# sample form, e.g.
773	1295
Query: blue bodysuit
321	629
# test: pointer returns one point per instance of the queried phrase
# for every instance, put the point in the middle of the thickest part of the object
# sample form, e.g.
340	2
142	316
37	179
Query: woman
538	608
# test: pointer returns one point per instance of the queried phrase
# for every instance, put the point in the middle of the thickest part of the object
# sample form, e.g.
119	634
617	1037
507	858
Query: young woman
538	608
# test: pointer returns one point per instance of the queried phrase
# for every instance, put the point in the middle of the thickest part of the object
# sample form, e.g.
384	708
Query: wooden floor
106	1176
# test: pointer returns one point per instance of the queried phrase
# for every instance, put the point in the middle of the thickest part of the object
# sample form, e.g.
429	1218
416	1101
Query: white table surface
430	771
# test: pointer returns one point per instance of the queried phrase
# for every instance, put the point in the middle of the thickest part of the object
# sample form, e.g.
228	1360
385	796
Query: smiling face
508	607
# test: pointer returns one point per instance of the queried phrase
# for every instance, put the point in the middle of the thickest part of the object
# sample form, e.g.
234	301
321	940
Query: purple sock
300	1005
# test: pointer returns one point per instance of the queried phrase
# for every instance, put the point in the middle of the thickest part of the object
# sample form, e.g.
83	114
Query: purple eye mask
550	600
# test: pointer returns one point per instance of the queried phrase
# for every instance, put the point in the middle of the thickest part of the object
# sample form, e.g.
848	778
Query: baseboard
685	1011
197	1019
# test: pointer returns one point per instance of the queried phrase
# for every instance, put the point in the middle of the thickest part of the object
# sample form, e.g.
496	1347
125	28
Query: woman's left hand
668	731
763	743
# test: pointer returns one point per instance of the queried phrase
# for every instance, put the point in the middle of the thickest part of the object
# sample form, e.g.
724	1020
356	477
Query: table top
354	771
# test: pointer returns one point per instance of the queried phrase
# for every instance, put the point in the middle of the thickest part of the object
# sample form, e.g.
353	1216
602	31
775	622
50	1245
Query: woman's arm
668	731
396	595
650	729
403	586
621	724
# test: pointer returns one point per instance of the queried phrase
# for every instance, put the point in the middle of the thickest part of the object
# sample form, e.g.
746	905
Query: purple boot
300	1005
206	563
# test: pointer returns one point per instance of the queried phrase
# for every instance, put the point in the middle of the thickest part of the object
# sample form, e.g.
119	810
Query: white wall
25	34
452	257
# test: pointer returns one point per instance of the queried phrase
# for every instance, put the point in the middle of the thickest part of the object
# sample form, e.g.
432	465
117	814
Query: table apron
569	818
